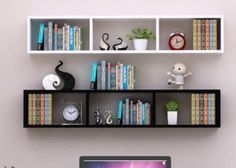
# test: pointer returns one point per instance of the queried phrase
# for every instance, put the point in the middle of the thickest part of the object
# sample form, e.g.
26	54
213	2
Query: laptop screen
162	162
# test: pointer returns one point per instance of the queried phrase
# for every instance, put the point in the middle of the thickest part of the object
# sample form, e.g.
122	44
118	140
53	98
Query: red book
42	109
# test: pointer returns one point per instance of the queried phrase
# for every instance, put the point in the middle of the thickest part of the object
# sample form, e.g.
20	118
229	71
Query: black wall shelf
91	98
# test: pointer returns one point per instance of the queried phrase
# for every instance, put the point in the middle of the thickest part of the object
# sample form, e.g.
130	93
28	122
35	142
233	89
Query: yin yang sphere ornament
177	41
51	82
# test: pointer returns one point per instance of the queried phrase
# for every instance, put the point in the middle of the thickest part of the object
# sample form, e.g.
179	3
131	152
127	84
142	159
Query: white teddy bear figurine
179	73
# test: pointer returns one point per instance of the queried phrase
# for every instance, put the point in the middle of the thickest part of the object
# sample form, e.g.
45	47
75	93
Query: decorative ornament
67	78
179	73
121	45
108	117
103	44
98	116
51	82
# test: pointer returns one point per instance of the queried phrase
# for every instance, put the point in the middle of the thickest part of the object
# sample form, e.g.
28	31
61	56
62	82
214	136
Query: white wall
47	148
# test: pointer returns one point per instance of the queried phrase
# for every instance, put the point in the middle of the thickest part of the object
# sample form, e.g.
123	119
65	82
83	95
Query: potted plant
140	38
172	112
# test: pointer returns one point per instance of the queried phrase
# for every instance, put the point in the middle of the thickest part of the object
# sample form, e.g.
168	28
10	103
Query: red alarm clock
177	41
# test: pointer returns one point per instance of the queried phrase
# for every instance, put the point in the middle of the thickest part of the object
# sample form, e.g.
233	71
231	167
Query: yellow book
195	34
199	34
205	108
213	108
34	109
197	110
50	109
193	106
215	34
30	109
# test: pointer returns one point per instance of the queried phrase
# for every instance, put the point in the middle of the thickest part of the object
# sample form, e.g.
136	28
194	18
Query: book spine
103	63
46	109
34	109
55	36
109	76
38	109
121	76
138	112
60	39
143	115
50	35
203	32
124	114
76	37
81	38
30	109
113	78
40	37
211	35
124	77
214	34
207	34
193	106
148	114
71	38
134	114
99	77
67	37
205	115
50	109
195	41
93	76
129	77
199	37
127	119
42	109
209	109
117	76
201	108
120	108
46	38
64	37
213	121
197	110
132	77
131	113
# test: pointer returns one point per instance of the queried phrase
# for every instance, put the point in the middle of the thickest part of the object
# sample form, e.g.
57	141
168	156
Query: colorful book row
40	109
205	34
105	76
54	38
130	113
203	109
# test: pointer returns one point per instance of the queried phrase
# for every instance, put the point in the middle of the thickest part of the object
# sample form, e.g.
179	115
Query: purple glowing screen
125	164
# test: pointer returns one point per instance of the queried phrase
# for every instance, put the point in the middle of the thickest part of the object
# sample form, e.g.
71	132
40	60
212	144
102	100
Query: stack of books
40	109
131	113
105	76
53	37
203	109
205	34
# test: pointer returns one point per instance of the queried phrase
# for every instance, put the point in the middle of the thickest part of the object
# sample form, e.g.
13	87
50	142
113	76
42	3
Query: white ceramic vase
172	117
140	44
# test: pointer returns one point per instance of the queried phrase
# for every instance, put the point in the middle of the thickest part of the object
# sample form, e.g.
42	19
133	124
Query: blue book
40	37
50	35
125	83
120	107
71	38
209	109
211	34
143	114
46	109
93	75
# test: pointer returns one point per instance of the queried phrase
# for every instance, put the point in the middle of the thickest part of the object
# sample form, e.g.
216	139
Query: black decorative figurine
103	44
121	45
68	79
98	116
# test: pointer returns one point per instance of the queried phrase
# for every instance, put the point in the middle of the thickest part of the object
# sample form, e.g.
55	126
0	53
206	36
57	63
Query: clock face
70	113
177	42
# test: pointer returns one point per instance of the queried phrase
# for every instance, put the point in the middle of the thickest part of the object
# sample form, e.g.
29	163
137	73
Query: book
103	80
195	35
71	38
55	36
211	34
205	113
113	78
30	109
127	119
123	113
134	114
121	77
40	37
197	109
199	34
34	109
109	76
117	76
207	23
131	112
193	109
148	113
129	82
215	34
42	110
81	38
46	109
209	109
203	33
213	119
99	77
143	120
76	37
120	108
93	76
201	108
132	77
60	39
38	111
49	109
45	38
125	85
50	35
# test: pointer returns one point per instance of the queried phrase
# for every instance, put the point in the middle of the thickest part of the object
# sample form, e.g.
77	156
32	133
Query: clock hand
73	111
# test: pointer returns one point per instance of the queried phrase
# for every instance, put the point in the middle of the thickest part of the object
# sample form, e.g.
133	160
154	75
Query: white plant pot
172	117
140	44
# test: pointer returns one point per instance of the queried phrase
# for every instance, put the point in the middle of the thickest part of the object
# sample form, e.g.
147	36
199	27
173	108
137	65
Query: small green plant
139	33
171	106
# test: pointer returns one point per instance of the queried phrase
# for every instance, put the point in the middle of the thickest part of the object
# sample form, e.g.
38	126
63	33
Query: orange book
42	109
205	113
207	34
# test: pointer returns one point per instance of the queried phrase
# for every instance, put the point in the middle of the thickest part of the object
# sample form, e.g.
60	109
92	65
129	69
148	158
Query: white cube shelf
116	27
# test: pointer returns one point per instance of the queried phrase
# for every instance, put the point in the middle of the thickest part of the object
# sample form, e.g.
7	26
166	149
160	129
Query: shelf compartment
120	27
33	29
